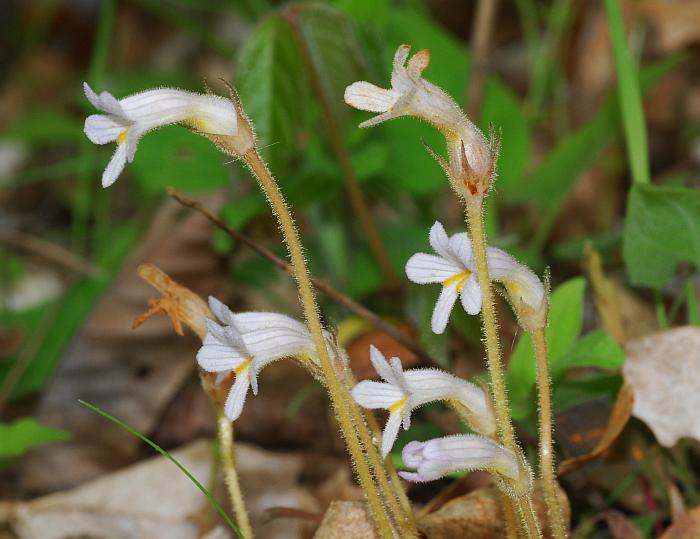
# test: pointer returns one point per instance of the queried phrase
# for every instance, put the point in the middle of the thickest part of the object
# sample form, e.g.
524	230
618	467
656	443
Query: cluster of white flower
244	343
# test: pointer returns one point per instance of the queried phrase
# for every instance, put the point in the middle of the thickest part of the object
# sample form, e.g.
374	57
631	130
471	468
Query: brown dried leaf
604	294
616	423
664	371
346	520
687	527
620	526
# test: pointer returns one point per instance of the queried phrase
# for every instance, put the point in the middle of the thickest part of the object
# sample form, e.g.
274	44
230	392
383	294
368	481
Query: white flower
525	290
454	268
246	343
127	120
411	95
462	452
402	392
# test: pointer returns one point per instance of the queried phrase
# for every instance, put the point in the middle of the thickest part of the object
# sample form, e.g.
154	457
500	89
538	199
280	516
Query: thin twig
481	41
320	285
50	251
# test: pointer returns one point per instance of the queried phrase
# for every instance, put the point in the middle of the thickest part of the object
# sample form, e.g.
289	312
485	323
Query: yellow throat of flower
459	278
122	136
243	366
398	405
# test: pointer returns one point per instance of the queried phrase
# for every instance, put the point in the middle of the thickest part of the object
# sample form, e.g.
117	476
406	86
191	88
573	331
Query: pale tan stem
506	433
529	518
313	320
549	483
510	516
481	40
228	460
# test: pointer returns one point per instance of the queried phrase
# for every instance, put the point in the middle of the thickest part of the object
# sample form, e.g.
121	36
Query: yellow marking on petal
243	366
122	136
398	405
459	278
196	123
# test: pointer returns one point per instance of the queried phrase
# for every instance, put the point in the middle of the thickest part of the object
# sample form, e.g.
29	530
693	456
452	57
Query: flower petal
105	102
221	311
236	398
461	249
471	295
400	81
366	96
391	430
115	166
443	308
374	395
439	240
101	129
423	268
381	365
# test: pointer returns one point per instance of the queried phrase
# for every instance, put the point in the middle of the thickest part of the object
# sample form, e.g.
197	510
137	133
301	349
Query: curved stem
506	433
549	483
225	433
313	320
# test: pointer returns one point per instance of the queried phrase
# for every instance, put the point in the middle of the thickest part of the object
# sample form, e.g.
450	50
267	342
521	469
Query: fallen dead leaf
620	526
616	423
664	372
478	516
153	499
346	520
687	527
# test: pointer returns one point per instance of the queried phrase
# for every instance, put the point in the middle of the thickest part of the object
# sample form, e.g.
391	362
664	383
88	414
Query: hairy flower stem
224	431
549	484
313	320
506	433
403	519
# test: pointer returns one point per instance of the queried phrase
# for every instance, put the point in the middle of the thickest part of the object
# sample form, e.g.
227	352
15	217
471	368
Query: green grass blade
167	455
629	96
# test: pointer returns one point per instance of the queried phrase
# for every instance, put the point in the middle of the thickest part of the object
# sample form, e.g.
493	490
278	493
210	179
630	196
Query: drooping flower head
471	156
464	452
245	343
402	392
127	120
453	267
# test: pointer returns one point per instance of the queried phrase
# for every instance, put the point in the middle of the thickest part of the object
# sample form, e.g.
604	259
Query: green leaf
273	89
629	96
501	108
662	229
565	320
24	434
175	157
596	349
334	52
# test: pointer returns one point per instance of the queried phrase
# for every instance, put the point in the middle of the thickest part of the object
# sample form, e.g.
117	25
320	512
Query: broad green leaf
565	320
662	229
501	108
376	11
273	88
46	126
596	349
175	157
334	52
584	389
23	434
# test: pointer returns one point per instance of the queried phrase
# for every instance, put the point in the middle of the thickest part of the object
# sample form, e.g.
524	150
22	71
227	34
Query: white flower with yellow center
402	392
127	120
453	266
461	452
245	344
411	95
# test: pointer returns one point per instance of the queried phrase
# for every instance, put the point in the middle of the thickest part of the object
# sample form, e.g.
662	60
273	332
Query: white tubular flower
402	392
411	95
245	344
461	452
127	120
525	290
454	267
